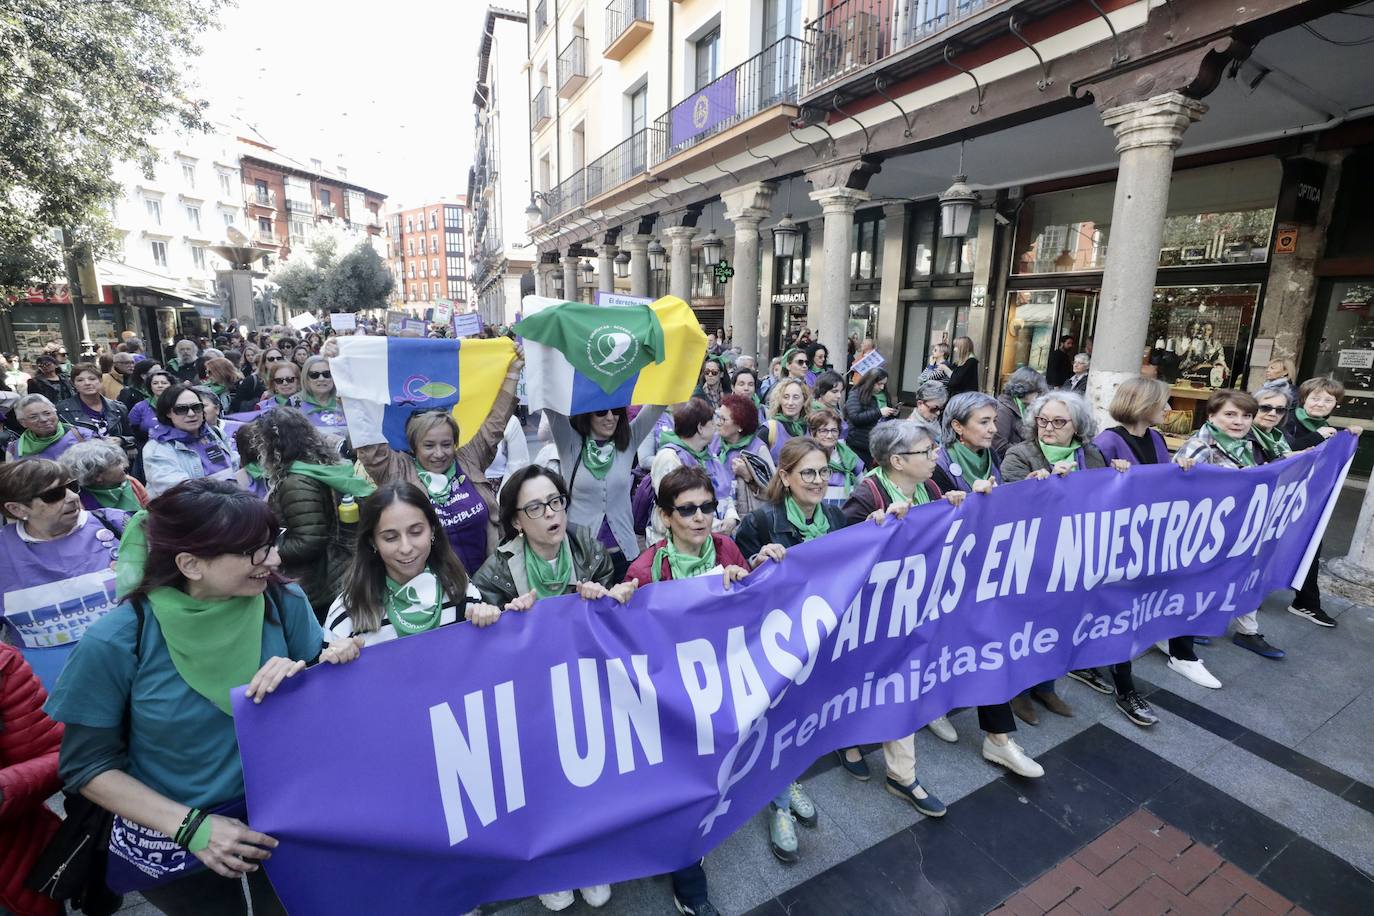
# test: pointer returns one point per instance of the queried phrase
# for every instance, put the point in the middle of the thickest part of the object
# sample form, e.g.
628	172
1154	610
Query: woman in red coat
28	776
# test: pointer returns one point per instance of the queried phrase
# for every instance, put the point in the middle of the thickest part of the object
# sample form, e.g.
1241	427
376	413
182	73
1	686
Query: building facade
501	255
427	250
1173	173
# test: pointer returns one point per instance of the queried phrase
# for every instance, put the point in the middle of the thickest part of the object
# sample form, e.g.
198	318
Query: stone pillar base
1347	579
1102	385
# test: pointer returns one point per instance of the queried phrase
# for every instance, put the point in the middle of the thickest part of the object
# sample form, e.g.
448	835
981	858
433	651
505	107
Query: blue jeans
784	799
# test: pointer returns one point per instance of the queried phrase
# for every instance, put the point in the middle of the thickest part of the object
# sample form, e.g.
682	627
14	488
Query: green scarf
757	402
845	460
702	455
1310	422
894	493
254	470
1239	450
1272	441
818	525
117	497
29	444
337	477
332	405
598	458
1057	453
1020	407
217	388
795	426
215	645
974	465
684	565
405	610
739	445
438	485
142	394
880	398
549	579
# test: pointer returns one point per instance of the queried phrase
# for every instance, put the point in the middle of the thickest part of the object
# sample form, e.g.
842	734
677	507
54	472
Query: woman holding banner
145	697
787	405
793	514
402	579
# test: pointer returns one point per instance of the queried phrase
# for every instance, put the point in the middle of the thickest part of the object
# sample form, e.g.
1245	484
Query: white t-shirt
340	626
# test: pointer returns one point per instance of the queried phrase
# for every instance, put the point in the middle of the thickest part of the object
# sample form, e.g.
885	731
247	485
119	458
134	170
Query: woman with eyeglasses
306	481
319	399
740	451
709	387
283	386
54	556
145	697
1059	428
404	578
1270	415
44	434
930	402
846	467
183	445
793	513
866	406
787	406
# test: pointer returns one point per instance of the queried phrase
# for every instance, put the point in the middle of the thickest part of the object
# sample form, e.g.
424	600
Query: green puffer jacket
313	550
502	578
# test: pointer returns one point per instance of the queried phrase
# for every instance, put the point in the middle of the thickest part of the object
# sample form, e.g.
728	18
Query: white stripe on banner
548	374
360	376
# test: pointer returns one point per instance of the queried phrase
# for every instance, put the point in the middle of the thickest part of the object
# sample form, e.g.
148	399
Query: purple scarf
214	457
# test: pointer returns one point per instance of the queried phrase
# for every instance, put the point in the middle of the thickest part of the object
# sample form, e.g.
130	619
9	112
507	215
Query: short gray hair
959	409
1085	427
29	400
1023	382
1087	358
1277	386
212	353
89	459
932	391
890	437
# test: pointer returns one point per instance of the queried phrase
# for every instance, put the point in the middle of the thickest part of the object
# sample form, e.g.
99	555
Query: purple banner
585	742
697	114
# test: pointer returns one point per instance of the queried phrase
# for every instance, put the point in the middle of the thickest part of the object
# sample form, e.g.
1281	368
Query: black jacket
963	378
862	418
55	391
246	394
117	425
768	524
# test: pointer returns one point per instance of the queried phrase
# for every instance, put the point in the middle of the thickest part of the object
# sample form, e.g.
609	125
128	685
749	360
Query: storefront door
1078	317
926	325
1340	344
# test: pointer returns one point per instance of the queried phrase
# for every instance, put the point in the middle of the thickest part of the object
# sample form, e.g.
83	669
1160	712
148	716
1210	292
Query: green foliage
84	85
322	281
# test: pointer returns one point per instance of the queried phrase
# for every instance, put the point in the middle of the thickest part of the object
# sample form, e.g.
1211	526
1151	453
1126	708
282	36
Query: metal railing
541	17
854	34
540	110
572	60
621	14
263	198
626	160
568	194
769	78
300	206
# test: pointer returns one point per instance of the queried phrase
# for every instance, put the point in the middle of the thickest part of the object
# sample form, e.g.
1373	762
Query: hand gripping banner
586	742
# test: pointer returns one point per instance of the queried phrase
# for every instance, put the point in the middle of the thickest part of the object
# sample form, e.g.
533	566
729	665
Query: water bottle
348	520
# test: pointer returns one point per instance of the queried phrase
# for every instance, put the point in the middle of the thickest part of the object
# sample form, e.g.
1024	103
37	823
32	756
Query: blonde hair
775	397
422	423
1137	399
963	349
1290	369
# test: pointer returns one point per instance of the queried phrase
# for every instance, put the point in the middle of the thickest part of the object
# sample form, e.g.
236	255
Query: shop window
931	254
926	325
866	245
1345	345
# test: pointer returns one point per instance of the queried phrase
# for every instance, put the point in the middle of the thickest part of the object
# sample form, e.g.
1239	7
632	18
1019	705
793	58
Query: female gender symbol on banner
725	779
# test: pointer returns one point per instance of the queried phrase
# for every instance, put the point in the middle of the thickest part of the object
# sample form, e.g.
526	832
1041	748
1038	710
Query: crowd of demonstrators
210	484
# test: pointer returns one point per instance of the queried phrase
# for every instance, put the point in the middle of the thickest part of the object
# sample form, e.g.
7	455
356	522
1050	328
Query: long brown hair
791	455
365	583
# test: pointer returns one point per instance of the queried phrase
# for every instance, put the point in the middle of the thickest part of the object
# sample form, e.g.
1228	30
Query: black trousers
689	885
996	720
1309	598
207	894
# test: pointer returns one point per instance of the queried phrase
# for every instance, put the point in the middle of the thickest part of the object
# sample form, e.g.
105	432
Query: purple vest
463	515
1110	443
52	452
722	480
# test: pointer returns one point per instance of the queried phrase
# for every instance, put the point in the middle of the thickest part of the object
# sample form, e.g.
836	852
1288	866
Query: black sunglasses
59	492
324	374
602	413
276	359
185	410
1272	408
284	380
689	510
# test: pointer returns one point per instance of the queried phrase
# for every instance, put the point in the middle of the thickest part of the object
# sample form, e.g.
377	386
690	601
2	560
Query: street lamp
785	235
712	248
622	265
956	204
656	255
588	272
532	213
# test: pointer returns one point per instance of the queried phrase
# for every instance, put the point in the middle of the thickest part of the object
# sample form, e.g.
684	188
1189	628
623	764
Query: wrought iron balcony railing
626	160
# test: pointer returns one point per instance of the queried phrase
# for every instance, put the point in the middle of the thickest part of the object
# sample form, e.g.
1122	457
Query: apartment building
427	250
501	255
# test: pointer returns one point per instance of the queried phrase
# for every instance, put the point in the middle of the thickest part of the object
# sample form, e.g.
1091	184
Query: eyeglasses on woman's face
811	475
319	375
275	359
284	380
1272	408
58	493
258	555
935	409
554	504
927	452
711	373
185	410
829	432
687	510
1047	423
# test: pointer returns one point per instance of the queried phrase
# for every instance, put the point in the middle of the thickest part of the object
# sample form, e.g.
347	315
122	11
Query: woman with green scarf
846	467
404	578
1272	405
787	405
220	376
688	444
1310	424
319	400
45	435
739	449
145	697
745	383
306	482
100	468
865	408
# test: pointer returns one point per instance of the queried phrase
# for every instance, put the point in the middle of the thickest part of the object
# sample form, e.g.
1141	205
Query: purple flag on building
697	114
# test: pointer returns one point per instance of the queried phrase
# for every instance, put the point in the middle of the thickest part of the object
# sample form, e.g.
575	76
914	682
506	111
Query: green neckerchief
846	461
1271	440
217	388
739	445
702	455
310	399
408	615
880	398
818	525
1238	449
894	493
435	484
254	470
1057	453
215	645
598	458
684	565
549	579
757	402
29	444
337	477
794	425
1020	407
117	497
974	465
1310	422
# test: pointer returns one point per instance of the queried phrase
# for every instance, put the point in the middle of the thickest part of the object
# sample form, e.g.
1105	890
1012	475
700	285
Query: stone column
816	230
1352	576
767	273
639	264
1147	135
832	311
746	208
680	265
605	268
570	281
885	335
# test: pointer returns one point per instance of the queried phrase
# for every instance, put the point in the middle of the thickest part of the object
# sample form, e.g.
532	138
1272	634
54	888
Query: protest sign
343	321
468	324
415	324
302	321
870	360
585	742
443	312
393	321
620	299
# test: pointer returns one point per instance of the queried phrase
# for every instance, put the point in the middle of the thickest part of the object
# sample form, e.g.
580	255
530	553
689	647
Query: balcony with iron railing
853	36
572	67
627	22
259	197
761	92
541	109
541	17
626	161
261	237
568	194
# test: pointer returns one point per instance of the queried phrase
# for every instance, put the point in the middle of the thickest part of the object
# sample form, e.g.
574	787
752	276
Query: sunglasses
707	508
58	493
1270	408
276	359
285	380
1047	423
185	410
602	413
324	374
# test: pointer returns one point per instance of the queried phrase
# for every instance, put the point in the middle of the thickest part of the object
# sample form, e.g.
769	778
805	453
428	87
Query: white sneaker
559	901
1194	671
942	729
1011	756
596	896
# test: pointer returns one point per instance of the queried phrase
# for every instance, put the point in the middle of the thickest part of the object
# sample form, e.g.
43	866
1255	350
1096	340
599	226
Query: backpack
642	498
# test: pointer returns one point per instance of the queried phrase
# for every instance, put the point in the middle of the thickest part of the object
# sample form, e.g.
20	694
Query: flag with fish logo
581	358
384	380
